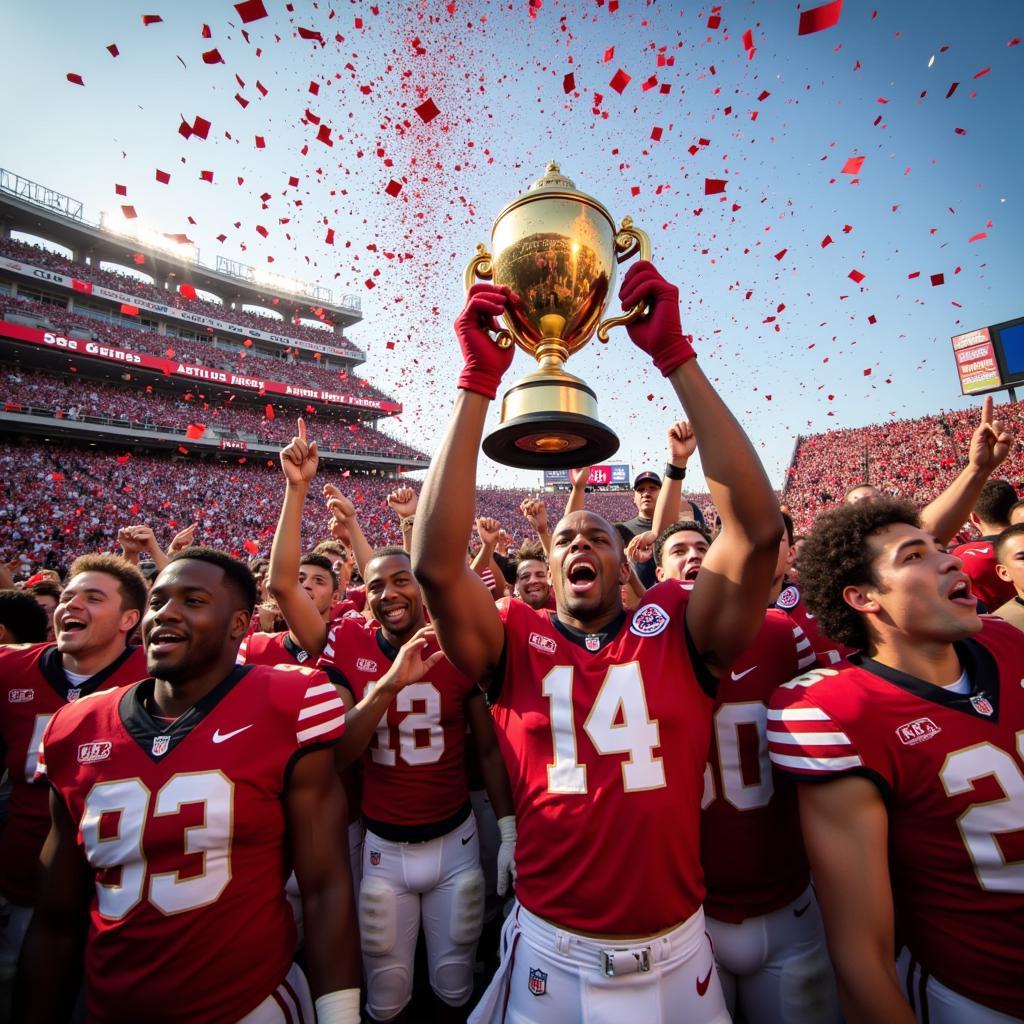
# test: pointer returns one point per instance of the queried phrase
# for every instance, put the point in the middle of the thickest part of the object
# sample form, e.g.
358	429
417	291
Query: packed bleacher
299	369
71	398
910	458
40	257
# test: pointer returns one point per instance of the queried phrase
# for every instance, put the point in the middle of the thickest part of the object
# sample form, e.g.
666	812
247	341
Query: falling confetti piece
569	83
151	19
620	81
855	276
213	57
113	50
251	10
427	111
194	431
853	165
938	279
713	186
163	177
780	254
393	187
817	19
978	237
74	78
128	212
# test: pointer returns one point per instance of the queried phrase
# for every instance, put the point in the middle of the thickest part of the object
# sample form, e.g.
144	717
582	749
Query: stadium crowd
70	398
38	256
690	765
298	368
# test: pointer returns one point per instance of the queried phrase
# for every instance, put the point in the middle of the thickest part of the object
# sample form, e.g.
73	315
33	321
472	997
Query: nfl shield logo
982	705
538	981
593	643
375	857
160	745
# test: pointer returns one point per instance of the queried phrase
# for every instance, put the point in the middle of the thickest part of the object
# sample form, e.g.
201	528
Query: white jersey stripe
798	715
318	730
319	709
816	764
810	739
319	691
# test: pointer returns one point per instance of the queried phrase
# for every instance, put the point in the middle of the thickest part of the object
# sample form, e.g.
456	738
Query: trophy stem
551	353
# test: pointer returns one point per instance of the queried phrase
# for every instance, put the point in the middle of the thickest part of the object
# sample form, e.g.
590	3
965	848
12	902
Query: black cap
644	477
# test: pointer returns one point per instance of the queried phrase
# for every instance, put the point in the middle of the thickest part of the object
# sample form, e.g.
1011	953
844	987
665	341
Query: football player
603	718
182	802
98	610
911	768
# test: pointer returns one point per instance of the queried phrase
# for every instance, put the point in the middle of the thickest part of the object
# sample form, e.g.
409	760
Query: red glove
659	332
486	363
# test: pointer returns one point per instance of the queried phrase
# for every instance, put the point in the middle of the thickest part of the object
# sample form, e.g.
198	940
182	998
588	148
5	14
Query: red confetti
251	10
201	127
853	165
268	411
56	477
427	111
206	176
187	291
261	230
195	430
261	143
982	73
129	212
855	276
330	241
952	89
163	177
1015	41
712	186
938	279
314	88
113	50
780	254
867	372
620	81
241	100
817	19
121	190
206	33
748	43
609	54
324	135
827	240
151	19
124	459
251	546
569	83
393	187
74	78
213	57
656	134
978	237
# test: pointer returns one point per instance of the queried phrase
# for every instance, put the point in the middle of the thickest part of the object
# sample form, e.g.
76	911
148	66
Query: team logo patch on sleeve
21	696
365	665
917	731
650	620
789	598
538	981
543	643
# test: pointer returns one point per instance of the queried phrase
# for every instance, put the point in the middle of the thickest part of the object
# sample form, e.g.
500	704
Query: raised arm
344	513
578	495
50	968
299	461
731	593
990	445
845	828
489	531
403	502
682	443
461	608
536	514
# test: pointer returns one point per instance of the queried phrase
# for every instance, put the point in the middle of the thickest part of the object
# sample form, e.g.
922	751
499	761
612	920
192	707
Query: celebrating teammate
181	802
912	774
603	719
98	611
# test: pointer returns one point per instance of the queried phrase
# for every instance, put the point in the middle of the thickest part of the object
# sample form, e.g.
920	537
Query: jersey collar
592	642
981	701
52	666
157	739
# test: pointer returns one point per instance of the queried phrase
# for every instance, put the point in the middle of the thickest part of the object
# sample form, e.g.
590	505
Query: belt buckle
625	961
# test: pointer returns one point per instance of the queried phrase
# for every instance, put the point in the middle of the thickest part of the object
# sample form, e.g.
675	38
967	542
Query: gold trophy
557	249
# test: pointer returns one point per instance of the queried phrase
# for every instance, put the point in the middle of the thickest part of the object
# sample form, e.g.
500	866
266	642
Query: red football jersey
605	738
979	558
827	651
751	847
184	827
271	649
951	769
413	769
33	687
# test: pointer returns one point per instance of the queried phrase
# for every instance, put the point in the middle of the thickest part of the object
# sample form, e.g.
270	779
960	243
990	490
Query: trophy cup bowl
557	249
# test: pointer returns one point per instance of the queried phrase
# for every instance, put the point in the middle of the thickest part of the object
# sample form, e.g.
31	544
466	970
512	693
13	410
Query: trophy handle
480	267
628	243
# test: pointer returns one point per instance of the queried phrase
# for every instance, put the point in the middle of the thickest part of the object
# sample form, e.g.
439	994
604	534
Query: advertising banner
976	362
600	476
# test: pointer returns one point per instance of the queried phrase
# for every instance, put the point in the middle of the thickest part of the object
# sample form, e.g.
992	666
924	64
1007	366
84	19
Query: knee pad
378	917
452	981
467	906
388	990
807	988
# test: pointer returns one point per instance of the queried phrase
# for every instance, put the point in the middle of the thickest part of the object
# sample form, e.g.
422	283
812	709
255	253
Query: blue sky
794	326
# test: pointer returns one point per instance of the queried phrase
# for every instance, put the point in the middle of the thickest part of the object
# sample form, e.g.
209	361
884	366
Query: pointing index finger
986	410
302	428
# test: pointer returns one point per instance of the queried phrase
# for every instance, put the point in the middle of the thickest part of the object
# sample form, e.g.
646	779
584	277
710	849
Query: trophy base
549	421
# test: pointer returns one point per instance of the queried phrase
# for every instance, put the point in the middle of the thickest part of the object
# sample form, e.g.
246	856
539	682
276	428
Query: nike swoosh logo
800	911
702	986
468	838
220	737
736	677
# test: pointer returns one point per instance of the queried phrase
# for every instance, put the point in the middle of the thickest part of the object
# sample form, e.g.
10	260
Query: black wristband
674	472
